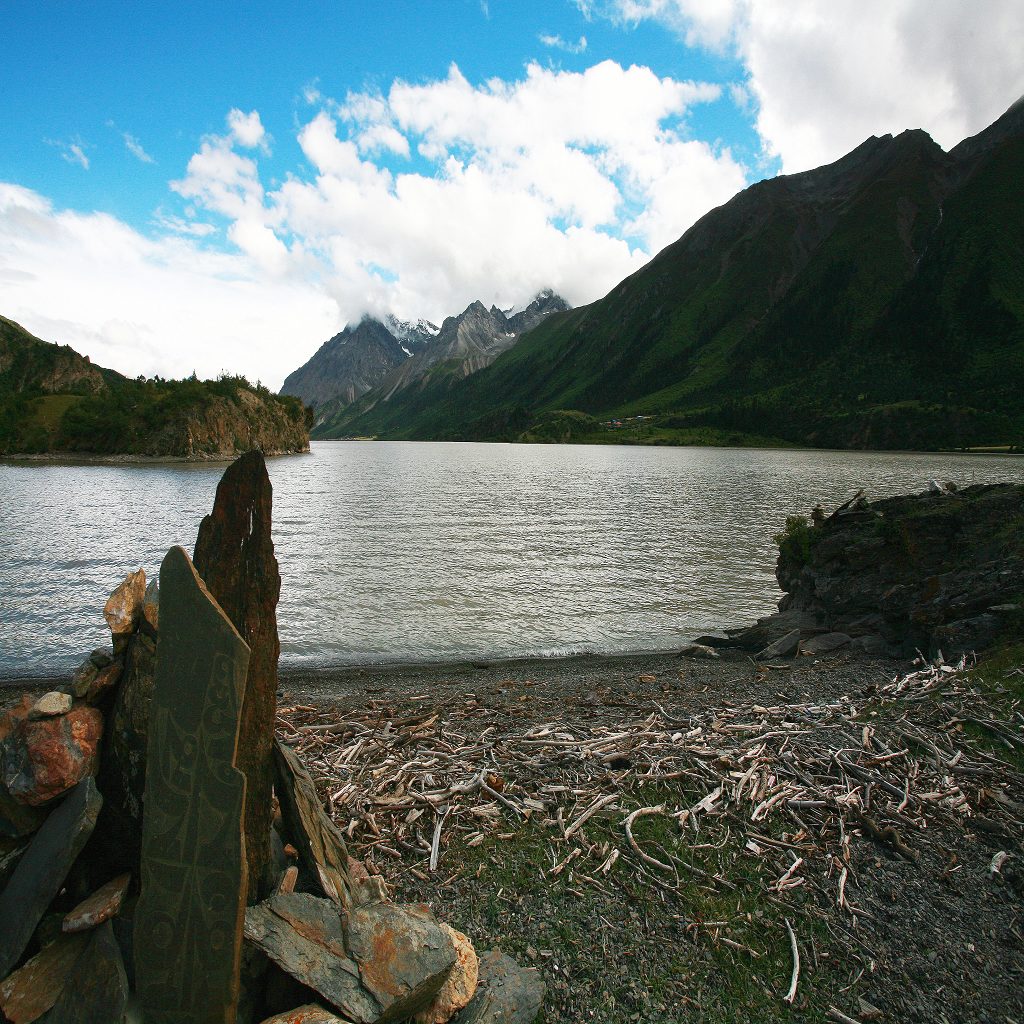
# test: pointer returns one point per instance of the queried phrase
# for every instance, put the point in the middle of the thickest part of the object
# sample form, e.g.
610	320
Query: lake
395	551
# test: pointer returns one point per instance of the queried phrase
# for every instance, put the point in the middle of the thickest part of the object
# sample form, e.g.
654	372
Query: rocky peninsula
56	403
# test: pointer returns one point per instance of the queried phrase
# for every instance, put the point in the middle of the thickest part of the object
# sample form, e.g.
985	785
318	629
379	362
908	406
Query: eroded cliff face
224	428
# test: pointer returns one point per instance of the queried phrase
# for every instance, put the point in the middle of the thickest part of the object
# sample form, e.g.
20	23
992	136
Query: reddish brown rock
96	990
309	1014
234	555
41	760
104	681
125	604
102	905
32	989
460	985
10	719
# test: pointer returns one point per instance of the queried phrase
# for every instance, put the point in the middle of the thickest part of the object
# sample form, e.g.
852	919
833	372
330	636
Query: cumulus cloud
144	306
827	76
417	201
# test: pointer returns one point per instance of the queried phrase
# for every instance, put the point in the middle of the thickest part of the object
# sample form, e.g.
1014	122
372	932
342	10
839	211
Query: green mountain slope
875	302
54	400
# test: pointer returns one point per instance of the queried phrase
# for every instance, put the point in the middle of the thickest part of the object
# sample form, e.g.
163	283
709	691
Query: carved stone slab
188	926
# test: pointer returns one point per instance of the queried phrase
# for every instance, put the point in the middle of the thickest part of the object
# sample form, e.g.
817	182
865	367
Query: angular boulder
386	963
785	647
43	758
124	606
234	555
460	985
308	1014
506	993
43	867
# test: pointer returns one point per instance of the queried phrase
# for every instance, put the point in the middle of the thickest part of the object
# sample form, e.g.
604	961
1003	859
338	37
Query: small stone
82	678
647	678
288	879
32	989
50	705
103	904
125	604
41	760
308	1014
42	869
102	656
506	993
460	985
106	679
696	650
784	647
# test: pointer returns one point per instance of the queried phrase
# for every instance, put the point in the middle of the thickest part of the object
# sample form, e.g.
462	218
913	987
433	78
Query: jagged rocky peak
411	336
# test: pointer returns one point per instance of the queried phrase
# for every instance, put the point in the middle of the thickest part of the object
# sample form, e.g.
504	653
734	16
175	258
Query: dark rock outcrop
943	570
234	555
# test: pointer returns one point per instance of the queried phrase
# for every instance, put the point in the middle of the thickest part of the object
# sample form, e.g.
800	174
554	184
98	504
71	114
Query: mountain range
876	302
385	363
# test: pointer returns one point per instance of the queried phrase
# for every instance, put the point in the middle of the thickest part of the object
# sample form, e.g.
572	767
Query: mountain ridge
877	301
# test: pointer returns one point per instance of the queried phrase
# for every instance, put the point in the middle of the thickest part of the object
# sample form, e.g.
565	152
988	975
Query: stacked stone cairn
164	859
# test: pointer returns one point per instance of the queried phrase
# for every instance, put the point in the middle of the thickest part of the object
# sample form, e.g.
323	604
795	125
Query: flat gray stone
825	642
42	869
96	990
506	993
389	962
188	924
785	647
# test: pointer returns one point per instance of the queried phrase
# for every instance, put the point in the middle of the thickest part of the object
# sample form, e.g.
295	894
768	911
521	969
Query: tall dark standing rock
234	555
187	935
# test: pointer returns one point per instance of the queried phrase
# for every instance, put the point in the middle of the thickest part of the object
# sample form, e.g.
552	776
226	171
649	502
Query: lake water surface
393	551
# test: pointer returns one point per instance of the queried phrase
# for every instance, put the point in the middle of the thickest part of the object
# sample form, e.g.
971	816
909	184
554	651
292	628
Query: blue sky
223	186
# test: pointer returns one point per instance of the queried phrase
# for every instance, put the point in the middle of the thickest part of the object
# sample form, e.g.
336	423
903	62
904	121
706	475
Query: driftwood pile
796	786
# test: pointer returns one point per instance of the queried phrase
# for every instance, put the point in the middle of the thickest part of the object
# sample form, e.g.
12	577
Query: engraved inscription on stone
189	919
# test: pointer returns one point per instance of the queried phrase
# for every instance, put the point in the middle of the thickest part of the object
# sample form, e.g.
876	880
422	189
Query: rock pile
939	571
137	876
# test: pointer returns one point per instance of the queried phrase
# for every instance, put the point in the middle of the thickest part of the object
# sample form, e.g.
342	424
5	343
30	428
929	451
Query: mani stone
103	904
506	993
321	848
96	990
42	869
188	923
234	555
386	963
32	989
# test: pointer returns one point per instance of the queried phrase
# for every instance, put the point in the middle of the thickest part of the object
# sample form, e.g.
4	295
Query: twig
791	994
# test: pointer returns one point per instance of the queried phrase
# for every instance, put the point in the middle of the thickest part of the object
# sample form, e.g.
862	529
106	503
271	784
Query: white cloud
144	307
827	76
134	147
72	151
569	180
247	129
556	42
